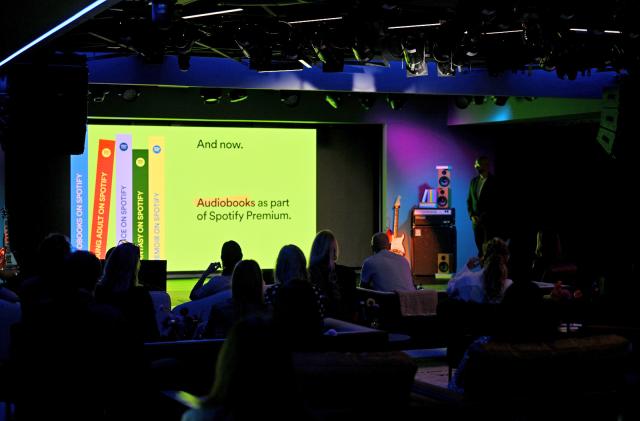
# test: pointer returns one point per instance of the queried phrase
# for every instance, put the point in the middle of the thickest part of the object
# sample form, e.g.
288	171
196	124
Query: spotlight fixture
334	100
332	61
462	101
162	13
395	102
479	100
211	95
289	98
414	54
237	95
130	94
184	62
500	100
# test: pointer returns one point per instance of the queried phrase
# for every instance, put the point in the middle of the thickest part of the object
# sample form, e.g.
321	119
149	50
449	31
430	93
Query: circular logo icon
140	162
124	146
106	152
156	149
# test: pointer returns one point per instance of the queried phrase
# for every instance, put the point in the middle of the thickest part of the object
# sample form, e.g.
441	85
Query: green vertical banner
140	175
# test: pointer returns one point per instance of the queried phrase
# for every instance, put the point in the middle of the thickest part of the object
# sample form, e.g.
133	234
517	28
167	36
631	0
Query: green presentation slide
180	192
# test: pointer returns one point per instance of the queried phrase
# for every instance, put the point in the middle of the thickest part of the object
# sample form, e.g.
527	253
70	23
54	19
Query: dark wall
349	168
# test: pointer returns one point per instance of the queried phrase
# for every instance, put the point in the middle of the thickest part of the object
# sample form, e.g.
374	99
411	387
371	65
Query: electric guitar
7	260
397	241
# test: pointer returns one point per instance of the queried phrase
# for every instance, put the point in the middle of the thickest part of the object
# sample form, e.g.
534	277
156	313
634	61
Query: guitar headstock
396	205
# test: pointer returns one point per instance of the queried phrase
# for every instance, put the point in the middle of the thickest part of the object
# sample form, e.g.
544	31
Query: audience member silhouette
38	291
247	297
291	267
385	271
336	283
488	284
230	255
255	378
119	288
78	349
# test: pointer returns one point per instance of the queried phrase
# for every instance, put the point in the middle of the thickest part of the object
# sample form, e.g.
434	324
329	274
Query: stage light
500	100
413	54
332	61
334	100
479	100
162	13
395	102
289	98
462	101
184	62
220	12
130	94
211	95
237	95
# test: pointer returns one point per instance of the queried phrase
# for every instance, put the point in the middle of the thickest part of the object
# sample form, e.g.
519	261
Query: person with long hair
119	288
295	302
336	283
247	298
488	284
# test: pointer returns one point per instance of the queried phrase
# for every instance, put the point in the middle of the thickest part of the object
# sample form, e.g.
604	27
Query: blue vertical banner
80	199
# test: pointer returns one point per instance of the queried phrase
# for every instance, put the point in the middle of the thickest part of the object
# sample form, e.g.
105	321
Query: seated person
247	298
488	284
230	255
385	271
291	265
336	283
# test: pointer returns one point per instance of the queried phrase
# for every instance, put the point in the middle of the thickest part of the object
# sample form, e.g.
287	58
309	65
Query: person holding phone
230	255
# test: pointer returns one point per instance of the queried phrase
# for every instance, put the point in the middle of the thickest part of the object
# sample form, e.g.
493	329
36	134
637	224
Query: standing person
482	203
385	271
230	254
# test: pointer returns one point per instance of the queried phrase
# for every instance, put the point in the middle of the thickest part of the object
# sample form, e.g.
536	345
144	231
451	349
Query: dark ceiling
265	34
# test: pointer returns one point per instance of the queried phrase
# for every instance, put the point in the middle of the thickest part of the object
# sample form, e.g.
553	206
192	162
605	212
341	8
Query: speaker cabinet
444	175
444	263
428	243
443	197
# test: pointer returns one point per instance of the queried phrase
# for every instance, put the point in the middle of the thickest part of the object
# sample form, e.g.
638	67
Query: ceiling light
512	31
53	30
334	100
211	95
500	100
304	63
609	31
237	95
130	94
220	12
184	62
314	20
422	25
578	29
395	102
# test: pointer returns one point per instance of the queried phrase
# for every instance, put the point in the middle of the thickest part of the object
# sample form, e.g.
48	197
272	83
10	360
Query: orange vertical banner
102	197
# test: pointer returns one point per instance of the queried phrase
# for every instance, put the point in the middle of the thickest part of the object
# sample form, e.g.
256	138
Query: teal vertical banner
79	196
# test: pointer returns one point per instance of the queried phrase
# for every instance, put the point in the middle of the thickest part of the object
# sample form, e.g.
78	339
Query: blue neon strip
53	30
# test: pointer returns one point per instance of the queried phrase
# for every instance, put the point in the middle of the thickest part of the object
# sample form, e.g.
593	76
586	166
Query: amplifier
428	217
